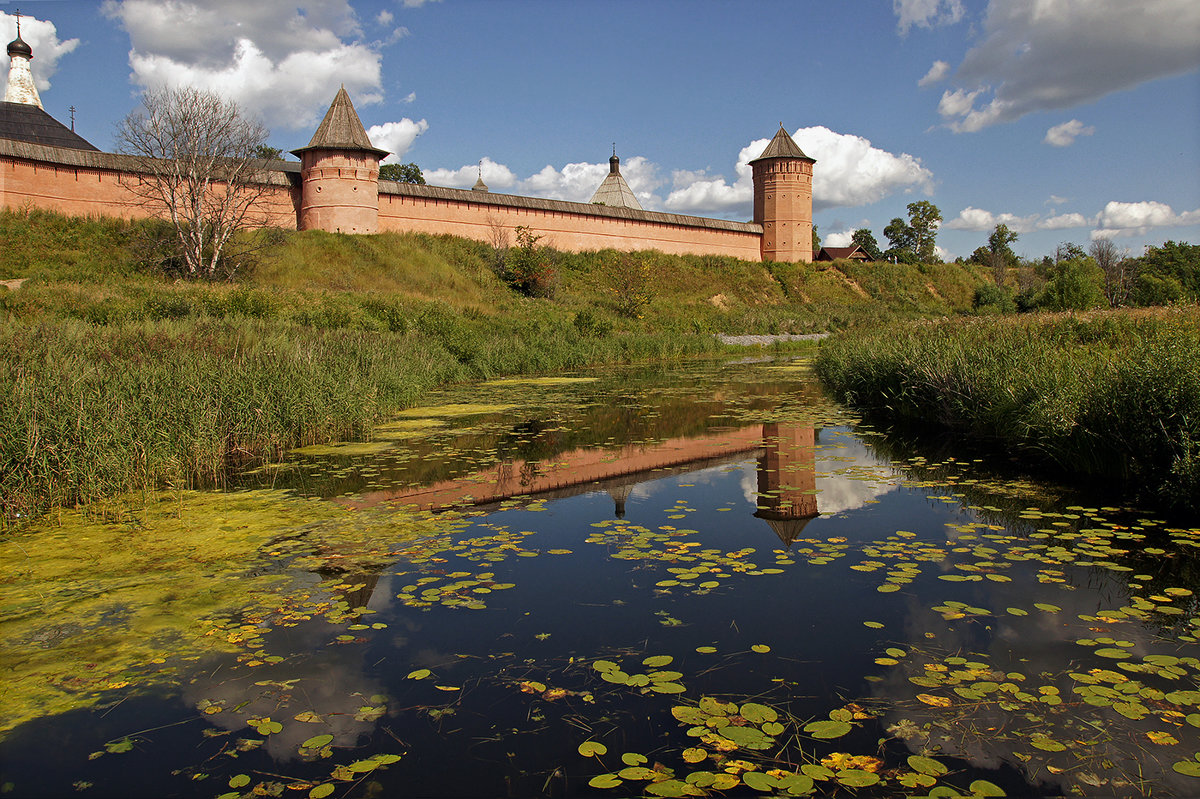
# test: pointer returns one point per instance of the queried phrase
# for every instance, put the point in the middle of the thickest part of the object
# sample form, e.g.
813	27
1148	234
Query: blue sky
1064	119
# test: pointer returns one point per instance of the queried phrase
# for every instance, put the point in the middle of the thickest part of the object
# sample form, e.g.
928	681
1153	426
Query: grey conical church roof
782	146
614	191
341	129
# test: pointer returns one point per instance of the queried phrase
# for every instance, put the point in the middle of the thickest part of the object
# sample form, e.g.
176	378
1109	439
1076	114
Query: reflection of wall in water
787	478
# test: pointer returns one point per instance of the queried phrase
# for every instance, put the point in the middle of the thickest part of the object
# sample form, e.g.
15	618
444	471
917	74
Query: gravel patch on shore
750	341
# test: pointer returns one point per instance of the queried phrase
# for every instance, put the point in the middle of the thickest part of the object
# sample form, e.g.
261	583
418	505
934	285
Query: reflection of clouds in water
711	475
332	682
849	474
1039	644
835	463
837	491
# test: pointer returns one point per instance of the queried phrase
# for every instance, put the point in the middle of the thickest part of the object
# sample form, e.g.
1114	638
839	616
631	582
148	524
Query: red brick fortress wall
567	226
338	193
89	183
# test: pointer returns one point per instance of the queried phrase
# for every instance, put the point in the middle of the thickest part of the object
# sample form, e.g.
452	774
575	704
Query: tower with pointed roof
339	174
21	88
783	199
614	191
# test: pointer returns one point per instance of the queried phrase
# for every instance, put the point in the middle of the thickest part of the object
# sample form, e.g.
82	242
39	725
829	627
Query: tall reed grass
1115	395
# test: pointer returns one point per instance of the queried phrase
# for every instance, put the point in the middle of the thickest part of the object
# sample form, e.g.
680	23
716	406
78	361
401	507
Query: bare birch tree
198	167
1115	264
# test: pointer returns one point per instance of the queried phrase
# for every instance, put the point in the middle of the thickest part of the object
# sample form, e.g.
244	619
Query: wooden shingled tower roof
29	123
782	146
341	129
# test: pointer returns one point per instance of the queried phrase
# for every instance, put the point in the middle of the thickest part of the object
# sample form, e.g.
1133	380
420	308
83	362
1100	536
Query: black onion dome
18	46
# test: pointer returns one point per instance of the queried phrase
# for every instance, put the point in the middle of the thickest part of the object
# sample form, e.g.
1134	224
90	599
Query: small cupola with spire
21	88
614	190
479	184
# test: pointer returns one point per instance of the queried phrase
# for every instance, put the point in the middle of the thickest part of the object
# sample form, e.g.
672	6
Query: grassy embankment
1113	395
114	378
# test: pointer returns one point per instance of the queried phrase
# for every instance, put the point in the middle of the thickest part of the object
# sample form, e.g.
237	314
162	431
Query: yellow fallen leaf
935	701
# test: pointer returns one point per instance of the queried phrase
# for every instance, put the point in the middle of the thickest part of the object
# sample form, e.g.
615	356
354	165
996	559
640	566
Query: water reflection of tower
787	478
620	493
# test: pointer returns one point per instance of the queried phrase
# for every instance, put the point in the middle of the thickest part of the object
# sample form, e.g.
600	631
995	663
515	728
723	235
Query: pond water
696	580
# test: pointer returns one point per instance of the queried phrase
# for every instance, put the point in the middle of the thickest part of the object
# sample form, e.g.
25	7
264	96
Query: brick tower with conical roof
783	199
339	174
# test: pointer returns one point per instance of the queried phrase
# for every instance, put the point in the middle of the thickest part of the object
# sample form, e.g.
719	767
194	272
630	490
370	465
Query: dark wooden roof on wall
28	123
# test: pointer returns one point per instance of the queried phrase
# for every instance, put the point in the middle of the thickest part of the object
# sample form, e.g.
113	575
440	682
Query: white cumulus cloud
573	182
978	219
578	182
1064	135
1039	55
842	238
1116	219
283	62
1129	219
396	137
496	176
42	38
850	171
1064	221
926	13
936	74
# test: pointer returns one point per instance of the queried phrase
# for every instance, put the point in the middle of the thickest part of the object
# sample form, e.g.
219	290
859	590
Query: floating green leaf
756	713
856	778
317	742
605	781
592	748
927	765
827	729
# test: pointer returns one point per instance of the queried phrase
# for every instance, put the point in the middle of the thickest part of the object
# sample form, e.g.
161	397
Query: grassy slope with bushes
114	378
1113	394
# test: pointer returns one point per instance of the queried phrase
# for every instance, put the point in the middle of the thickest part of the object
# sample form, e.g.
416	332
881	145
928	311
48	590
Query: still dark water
686	581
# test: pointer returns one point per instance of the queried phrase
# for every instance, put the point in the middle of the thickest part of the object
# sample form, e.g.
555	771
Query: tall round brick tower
339	174
783	199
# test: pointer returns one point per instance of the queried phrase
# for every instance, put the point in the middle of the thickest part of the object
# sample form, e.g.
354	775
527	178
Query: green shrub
994	299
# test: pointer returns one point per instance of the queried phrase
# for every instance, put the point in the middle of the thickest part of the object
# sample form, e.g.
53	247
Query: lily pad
592	748
605	781
827	729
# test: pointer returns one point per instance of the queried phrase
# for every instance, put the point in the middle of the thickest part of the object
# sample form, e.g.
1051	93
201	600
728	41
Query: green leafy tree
527	267
1068	251
402	173
902	239
268	153
1000	254
924	218
1075	285
816	241
865	239
1170	273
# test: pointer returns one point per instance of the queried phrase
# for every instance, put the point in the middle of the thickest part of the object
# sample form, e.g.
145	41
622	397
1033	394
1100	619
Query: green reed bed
1115	395
90	411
